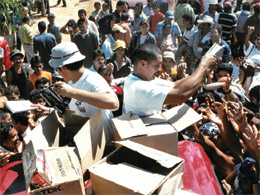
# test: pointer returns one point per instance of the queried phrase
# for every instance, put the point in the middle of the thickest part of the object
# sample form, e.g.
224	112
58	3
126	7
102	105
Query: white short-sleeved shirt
145	97
92	82
251	51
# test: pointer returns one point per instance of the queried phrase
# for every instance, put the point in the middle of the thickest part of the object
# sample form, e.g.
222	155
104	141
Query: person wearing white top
144	94
88	90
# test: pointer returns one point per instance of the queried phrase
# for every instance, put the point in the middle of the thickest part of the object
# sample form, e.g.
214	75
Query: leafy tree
9	9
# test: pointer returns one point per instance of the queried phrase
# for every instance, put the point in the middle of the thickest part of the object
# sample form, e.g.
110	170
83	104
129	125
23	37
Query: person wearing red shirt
155	18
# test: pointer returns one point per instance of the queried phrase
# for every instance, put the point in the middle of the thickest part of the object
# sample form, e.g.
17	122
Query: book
216	50
20	106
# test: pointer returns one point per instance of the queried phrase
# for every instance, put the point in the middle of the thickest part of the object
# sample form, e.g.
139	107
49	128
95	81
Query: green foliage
8	11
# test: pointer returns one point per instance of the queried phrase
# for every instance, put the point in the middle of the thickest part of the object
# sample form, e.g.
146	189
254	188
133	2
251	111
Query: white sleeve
249	49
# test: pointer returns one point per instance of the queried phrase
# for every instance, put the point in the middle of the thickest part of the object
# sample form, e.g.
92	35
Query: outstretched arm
107	100
186	87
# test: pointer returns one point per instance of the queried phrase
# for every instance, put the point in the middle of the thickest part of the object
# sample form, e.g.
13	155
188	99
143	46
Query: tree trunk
43	9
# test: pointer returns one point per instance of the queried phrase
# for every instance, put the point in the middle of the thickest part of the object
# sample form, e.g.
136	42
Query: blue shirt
175	31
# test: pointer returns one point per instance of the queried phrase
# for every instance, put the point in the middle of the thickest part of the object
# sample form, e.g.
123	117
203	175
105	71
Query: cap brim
118	47
170	17
203	21
18	54
55	63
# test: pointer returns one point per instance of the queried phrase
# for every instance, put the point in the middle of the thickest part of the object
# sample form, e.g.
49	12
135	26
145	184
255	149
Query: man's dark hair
25	19
41	80
20	117
35	60
124	17
139	4
120	3
187	18
3	114
82	11
246	6
34	94
147	52
226	67
155	5
12	89
81	21
218	27
75	66
202	96
5	127
42	26
255	92
96	53
97	3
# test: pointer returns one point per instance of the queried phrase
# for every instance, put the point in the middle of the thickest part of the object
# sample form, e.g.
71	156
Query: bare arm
9	77
250	31
106	100
222	160
186	87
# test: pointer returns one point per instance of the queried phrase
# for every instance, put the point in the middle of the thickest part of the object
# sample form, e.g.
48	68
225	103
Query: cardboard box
137	169
157	131
86	135
56	169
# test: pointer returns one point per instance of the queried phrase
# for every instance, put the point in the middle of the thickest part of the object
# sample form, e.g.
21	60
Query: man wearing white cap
88	90
211	10
109	43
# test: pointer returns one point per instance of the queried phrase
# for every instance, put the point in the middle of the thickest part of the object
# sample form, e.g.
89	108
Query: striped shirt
228	21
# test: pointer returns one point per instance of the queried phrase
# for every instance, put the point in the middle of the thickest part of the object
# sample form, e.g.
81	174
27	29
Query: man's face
120	52
222	73
82	16
214	35
168	20
97	7
13	97
138	10
168	64
83	27
11	142
108	76
144	28
204	27
43	86
51	19
152	68
17	60
257	42
120	8
150	3
212	8
99	61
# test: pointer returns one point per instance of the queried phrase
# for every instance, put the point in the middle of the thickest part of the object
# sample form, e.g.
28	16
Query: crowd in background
228	97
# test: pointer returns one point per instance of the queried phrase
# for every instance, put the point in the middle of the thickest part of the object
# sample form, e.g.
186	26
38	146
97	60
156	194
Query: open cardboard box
137	169
157	131
87	135
56	168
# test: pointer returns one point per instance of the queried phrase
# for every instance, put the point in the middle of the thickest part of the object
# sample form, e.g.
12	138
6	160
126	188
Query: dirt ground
63	14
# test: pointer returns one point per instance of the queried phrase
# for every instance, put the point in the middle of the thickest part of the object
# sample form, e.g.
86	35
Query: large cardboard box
85	135
157	131
137	169
56	169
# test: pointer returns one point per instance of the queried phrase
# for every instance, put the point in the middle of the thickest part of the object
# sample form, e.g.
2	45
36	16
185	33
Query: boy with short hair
95	13
155	18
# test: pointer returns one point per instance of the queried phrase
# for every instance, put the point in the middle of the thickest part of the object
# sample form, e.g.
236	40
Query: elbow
113	102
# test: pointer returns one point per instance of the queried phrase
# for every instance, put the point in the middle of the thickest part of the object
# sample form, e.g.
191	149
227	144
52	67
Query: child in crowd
37	66
97	10
155	18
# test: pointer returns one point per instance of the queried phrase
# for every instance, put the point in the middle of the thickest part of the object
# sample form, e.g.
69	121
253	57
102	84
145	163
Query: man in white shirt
88	90
145	94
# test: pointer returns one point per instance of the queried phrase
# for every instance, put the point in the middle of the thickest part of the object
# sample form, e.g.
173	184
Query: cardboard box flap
162	128
46	133
29	163
71	119
90	141
164	159
153	119
129	125
180	117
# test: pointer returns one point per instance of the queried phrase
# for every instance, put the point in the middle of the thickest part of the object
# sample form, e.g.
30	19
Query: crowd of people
144	61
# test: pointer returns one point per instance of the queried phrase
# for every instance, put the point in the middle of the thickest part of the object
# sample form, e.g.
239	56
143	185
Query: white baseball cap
65	53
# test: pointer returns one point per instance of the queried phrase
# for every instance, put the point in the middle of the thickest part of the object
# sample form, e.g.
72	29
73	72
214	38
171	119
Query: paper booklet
19	106
216	50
